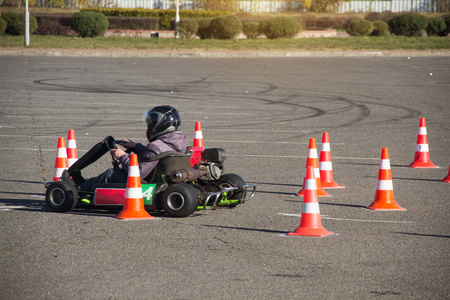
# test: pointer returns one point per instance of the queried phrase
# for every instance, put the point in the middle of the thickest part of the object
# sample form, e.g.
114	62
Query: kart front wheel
61	196
232	180
180	200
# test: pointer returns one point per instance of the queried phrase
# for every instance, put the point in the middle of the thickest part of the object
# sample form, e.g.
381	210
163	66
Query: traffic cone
134	202
61	162
312	160
447	178
198	136
72	154
422	155
325	165
310	222
384	194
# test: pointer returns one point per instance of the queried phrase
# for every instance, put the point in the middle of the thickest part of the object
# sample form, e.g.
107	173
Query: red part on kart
196	155
109	196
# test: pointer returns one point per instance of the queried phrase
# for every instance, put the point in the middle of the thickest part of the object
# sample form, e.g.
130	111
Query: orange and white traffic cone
310	222
134	202
312	160
384	194
422	154
72	153
325	165
61	162
447	178
198	136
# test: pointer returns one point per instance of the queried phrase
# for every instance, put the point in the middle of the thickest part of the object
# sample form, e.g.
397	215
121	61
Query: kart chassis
187	182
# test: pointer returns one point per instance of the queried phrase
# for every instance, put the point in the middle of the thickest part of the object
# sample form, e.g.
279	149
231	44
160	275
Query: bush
129	23
3	26
372	16
409	24
89	23
247	17
251	30
16	23
380	28
164	15
327	22
360	28
345	21
53	19
55	30
384	16
279	27
263	26
225	27
204	31
447	24
309	21
187	28
435	26
387	15
47	30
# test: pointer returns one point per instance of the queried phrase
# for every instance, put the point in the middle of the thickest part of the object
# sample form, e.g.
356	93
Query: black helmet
161	120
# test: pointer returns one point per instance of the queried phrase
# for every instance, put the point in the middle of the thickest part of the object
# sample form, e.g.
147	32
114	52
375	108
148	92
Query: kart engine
210	167
212	171
212	162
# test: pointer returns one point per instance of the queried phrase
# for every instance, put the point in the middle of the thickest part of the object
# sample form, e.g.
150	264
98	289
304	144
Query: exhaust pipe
186	175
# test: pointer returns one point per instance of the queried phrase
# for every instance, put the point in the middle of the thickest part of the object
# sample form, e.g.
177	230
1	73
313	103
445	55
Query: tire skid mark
143	89
364	112
317	112
361	105
411	112
185	91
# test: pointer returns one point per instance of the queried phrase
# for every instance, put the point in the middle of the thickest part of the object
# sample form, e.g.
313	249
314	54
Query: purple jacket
172	141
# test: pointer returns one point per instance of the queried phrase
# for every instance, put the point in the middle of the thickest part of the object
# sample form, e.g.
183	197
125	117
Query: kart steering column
111	144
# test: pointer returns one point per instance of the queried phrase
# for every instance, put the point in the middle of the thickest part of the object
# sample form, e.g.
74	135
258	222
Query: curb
220	54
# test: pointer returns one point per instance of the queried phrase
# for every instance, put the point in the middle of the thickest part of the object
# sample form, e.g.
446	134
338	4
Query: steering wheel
110	143
128	151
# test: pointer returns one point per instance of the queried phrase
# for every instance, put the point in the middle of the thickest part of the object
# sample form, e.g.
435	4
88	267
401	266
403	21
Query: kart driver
163	135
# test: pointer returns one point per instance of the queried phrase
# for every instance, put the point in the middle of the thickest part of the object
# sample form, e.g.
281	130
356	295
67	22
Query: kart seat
167	163
174	162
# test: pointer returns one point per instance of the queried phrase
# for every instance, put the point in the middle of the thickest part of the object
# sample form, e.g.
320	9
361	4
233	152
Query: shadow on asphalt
277	184
243	228
423	234
377	164
276	193
401	178
21	181
419	179
346	205
325	203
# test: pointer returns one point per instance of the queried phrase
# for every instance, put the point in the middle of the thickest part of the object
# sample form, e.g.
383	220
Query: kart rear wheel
180	200
61	196
232	180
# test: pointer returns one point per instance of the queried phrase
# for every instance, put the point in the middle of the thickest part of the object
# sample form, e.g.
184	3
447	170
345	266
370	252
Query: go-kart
180	183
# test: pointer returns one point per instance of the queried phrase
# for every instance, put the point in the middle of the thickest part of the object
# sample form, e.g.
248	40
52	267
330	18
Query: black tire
61	196
180	200
232	180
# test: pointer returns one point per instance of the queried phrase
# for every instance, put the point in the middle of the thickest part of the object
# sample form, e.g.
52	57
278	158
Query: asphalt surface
199	53
262	111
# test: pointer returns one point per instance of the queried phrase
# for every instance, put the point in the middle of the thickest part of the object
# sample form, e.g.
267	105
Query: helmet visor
146	118
153	120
